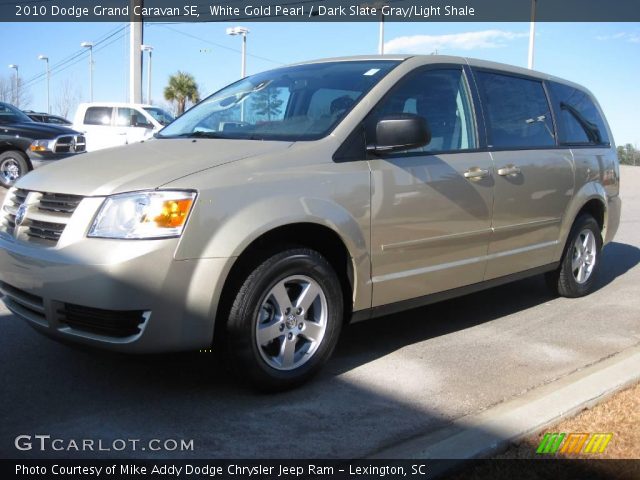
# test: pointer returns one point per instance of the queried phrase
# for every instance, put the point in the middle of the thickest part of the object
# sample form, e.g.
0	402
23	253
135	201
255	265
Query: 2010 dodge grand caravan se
296	199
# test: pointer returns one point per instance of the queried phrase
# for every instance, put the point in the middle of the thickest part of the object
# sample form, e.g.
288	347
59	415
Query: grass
619	415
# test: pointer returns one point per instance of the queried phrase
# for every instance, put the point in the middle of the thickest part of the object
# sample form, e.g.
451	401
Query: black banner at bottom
322	469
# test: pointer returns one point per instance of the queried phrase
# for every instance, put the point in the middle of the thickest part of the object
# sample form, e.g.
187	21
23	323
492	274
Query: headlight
155	214
42	145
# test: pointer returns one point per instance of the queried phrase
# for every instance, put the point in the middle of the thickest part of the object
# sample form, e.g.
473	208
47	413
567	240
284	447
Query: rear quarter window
98	116
579	121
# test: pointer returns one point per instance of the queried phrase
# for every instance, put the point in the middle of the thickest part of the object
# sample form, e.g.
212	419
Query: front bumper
178	298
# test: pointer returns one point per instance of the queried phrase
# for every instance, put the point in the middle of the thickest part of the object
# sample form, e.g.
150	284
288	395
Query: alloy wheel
291	323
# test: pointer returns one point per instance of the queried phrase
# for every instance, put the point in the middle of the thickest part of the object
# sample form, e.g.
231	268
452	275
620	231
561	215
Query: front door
430	207
133	125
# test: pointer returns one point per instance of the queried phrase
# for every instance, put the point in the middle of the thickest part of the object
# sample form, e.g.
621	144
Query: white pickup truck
109	124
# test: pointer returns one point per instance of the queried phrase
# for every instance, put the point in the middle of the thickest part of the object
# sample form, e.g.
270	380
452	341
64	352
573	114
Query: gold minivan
301	198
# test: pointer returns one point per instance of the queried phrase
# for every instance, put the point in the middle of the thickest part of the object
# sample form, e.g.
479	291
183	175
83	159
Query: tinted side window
98	116
441	97
517	112
579	121
58	121
129	117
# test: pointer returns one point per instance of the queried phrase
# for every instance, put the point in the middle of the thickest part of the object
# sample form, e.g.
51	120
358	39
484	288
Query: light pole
378	6
46	59
241	31
17	99
243	69
381	35
148	49
532	33
89	45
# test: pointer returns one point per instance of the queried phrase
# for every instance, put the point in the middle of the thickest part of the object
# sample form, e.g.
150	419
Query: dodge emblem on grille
20	214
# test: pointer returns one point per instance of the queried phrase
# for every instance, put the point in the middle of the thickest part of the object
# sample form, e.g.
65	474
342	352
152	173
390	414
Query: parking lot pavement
391	379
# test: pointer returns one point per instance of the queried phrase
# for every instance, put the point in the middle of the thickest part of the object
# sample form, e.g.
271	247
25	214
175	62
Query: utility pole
135	54
46	59
149	50
532	34
381	35
89	45
242	31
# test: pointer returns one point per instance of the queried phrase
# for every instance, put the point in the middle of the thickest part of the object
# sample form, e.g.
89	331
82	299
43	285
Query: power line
195	37
77	56
95	51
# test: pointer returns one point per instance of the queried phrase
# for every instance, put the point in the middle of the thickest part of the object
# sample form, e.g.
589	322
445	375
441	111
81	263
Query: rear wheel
577	273
13	165
286	318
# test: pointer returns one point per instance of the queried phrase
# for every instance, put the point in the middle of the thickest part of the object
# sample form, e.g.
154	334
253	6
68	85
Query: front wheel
286	318
576	275
13	165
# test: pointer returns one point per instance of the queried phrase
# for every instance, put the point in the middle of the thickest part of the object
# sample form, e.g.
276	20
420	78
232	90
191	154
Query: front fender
235	233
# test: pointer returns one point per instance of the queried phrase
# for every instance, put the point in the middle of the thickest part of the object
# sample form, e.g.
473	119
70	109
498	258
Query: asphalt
392	379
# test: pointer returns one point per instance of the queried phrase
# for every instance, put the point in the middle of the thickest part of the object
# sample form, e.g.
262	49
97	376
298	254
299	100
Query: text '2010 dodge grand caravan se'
296	199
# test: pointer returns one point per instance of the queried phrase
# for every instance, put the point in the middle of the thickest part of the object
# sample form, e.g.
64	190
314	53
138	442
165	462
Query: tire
276	345
577	273
13	165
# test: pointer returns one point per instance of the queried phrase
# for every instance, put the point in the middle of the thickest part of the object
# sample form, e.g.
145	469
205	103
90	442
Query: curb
485	433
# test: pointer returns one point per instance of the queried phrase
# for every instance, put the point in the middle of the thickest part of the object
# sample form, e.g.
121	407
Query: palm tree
182	87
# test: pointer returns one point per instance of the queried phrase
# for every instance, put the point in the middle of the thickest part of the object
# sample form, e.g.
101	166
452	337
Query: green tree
628	155
266	103
182	87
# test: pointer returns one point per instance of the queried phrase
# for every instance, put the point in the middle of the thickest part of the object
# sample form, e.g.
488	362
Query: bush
628	155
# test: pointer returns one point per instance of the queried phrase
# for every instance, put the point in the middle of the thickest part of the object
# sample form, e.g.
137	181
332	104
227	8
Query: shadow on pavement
73	393
363	342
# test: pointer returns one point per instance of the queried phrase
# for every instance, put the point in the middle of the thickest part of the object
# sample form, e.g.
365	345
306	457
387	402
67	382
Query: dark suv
47	118
25	144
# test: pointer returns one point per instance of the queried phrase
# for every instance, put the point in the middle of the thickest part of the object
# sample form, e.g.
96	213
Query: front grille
111	323
70	144
23	303
44	215
58	202
47	230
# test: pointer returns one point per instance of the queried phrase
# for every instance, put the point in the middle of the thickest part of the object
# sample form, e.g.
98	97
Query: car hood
43	131
140	166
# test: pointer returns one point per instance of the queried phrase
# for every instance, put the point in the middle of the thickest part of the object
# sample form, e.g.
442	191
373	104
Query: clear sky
604	57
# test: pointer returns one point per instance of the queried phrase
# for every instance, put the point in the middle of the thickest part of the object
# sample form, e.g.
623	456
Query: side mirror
400	132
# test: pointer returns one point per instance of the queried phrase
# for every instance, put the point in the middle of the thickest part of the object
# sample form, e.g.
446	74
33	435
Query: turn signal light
173	213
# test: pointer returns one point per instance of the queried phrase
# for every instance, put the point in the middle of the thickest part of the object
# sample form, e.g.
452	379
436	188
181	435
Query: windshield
302	102
160	115
10	114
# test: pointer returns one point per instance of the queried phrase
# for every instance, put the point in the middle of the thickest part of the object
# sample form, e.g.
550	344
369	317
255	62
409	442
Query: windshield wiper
198	134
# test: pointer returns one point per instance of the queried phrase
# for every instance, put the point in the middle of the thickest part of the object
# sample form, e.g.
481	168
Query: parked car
298	199
109	124
47	118
25	144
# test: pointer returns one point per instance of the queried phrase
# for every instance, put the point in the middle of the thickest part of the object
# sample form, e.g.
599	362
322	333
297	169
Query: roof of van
427	59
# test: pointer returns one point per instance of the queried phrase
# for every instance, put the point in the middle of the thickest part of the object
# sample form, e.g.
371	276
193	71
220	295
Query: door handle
476	173
509	170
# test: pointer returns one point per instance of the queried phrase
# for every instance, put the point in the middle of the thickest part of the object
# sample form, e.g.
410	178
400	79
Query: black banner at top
319	10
